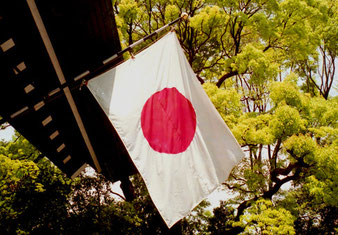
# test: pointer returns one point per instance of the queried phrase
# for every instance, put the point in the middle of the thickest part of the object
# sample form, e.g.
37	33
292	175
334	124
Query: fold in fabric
171	130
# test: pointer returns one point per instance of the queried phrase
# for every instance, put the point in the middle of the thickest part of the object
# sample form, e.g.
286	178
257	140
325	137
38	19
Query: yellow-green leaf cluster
286	92
254	61
253	129
323	184
302	147
227	102
263	218
286	121
14	175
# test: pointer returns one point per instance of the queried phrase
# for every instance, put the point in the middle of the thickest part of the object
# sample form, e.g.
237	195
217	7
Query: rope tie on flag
83	83
131	54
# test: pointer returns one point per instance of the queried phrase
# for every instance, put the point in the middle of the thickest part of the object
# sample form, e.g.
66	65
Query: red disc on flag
168	121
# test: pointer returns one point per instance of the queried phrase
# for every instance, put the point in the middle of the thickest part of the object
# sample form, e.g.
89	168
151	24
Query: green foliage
264	218
222	219
197	221
33	195
226	101
313	217
254	61
19	148
303	147
286	122
286	92
93	209
15	175
323	184
253	129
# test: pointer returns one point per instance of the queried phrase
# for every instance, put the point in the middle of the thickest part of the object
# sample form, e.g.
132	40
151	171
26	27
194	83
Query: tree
94	210
268	67
293	142
263	218
33	195
36	197
319	71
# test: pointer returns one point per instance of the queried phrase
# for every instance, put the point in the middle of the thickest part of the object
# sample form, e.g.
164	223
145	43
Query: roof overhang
46	45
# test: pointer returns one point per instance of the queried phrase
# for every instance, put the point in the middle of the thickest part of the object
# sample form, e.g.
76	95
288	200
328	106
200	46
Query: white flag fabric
171	130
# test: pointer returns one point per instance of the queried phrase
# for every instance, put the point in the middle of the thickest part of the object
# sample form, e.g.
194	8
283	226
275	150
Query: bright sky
7	133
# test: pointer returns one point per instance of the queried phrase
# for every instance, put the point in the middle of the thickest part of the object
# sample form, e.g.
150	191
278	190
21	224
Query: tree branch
238	188
200	79
226	76
299	165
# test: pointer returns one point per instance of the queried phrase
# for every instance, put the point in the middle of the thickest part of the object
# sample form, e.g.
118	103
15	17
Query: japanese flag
171	130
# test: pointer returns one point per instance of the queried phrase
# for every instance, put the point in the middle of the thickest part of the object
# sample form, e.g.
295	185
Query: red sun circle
168	121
